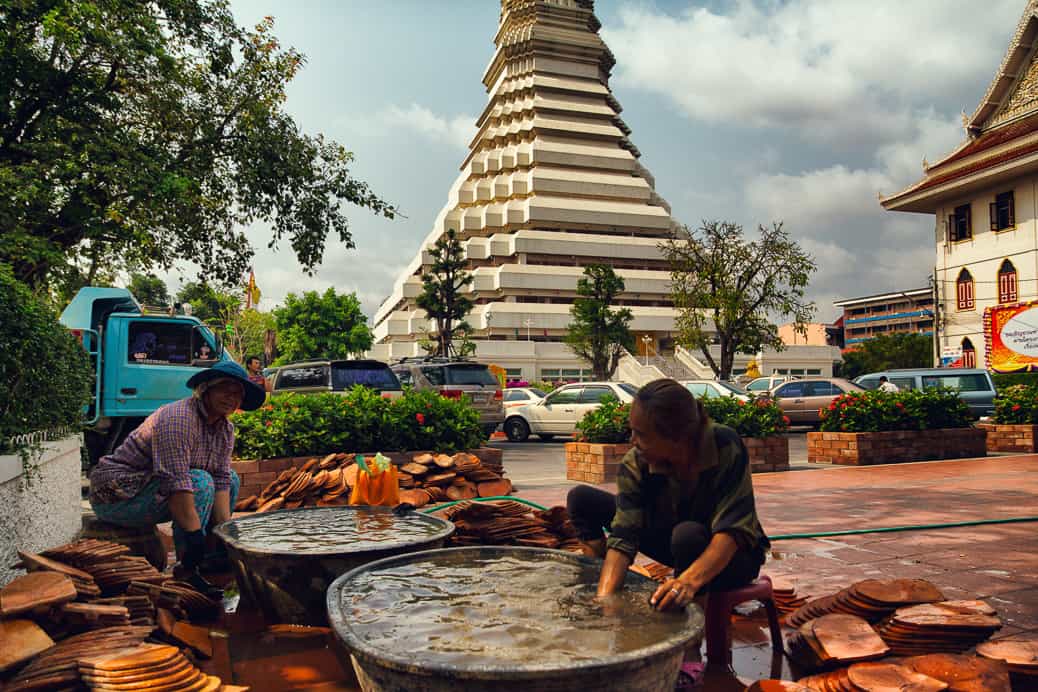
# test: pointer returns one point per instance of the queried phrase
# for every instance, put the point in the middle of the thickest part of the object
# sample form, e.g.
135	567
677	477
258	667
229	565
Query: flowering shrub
760	417
876	411
359	421
516	383
1017	405
607	424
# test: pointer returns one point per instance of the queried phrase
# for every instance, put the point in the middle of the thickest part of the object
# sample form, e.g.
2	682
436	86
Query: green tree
321	326
441	293
247	332
213	304
138	134
726	288
148	289
887	352
598	334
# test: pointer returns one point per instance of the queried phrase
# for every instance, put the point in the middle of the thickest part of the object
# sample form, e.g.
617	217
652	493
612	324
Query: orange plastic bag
377	483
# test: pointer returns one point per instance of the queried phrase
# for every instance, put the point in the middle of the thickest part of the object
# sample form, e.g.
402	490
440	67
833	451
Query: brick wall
768	453
1011	438
256	474
859	449
594	463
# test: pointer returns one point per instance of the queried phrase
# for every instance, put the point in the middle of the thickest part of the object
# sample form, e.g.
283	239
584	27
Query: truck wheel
517	429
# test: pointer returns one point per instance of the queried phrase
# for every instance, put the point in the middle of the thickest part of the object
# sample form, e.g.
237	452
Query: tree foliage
247	333
598	334
318	325
138	134
721	280
887	352
441	293
212	303
148	289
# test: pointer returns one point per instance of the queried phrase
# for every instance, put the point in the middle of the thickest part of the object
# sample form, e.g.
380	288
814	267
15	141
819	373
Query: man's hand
673	594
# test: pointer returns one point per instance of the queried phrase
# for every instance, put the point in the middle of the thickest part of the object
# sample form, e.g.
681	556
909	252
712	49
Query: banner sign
951	357
1011	333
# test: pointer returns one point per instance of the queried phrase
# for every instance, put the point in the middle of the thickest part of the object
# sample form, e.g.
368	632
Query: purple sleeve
171	446
221	463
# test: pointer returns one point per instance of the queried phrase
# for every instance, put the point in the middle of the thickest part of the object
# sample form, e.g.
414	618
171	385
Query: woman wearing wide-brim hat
177	464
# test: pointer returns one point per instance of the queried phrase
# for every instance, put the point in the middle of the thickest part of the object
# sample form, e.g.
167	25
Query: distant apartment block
897	312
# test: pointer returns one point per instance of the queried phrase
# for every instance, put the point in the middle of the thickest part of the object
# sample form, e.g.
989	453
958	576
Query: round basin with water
502	620
285	560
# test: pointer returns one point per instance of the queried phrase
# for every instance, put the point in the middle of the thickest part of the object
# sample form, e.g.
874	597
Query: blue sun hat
254	395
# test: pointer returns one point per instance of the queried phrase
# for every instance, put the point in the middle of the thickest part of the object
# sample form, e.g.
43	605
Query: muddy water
523	609
327	529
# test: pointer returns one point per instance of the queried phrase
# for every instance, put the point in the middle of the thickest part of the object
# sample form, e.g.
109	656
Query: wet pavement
996	562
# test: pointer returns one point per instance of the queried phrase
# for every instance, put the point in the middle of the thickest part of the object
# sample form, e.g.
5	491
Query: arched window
969	354
964	291
1007	283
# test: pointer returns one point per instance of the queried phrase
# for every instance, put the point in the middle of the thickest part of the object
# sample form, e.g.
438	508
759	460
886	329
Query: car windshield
629	388
734	389
470	374
374	375
758	385
537	392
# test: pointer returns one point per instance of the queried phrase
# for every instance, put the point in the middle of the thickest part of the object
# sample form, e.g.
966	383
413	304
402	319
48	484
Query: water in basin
528	608
325	530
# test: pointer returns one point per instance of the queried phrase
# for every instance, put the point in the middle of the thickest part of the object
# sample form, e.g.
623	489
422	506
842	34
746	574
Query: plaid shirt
167	445
719	496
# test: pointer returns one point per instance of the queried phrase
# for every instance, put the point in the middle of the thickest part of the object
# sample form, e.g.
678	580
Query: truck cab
141	361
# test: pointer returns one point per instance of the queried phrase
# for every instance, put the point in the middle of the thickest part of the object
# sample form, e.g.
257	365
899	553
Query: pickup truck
141	361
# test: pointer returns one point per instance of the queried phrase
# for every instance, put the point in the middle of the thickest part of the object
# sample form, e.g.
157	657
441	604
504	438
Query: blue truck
141	361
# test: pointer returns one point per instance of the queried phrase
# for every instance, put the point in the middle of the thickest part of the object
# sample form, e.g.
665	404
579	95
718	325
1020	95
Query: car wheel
517	429
546	438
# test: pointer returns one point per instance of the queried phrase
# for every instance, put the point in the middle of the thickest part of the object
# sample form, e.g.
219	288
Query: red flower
741	402
832	406
267	423
1016	407
785	419
900	405
420	417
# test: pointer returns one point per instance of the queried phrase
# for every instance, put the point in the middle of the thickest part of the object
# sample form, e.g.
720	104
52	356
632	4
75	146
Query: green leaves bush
760	417
359	421
608	424
45	374
1017	405
876	411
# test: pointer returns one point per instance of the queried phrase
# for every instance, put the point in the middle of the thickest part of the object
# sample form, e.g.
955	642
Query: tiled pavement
996	562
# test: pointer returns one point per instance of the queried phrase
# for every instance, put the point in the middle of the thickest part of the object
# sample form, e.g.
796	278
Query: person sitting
177	464
685	499
886	385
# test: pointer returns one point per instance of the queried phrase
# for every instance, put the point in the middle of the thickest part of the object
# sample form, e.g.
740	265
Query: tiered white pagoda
551	184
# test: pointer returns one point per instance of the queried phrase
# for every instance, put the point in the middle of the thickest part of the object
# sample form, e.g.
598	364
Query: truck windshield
374	375
160	343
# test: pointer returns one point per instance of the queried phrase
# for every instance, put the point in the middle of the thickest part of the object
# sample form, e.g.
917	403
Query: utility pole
936	319
528	323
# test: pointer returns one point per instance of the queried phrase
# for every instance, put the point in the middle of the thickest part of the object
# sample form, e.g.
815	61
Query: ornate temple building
990	178
551	183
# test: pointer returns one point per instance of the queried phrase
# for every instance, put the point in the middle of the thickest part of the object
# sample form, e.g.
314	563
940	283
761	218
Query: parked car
559	412
763	385
708	388
521	396
454	379
801	399
336	376
974	385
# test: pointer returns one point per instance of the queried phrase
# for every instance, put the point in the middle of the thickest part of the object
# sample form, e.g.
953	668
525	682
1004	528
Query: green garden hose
792	536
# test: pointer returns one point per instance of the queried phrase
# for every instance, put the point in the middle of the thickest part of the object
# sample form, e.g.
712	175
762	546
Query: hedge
1017	405
876	411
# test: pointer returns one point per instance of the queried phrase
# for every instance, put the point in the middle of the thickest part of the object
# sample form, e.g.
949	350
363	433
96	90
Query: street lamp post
646	339
528	323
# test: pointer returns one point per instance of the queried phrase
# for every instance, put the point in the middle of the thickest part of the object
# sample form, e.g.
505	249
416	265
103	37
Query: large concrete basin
500	619
284	561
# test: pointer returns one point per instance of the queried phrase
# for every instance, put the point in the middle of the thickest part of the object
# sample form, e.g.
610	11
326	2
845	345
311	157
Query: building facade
896	312
551	183
983	198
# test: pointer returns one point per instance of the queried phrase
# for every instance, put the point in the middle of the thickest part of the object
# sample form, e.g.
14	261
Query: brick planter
1011	438
768	453
594	463
256	474
860	449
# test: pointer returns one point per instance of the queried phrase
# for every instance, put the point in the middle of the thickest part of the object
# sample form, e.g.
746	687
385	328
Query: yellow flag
252	293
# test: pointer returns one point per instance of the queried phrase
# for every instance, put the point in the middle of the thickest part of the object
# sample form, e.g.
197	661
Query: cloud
824	69
456	131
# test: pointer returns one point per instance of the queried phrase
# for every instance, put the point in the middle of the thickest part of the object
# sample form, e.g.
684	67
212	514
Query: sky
750	111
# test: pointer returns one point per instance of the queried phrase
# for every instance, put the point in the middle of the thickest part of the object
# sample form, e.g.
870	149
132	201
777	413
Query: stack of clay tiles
834	640
787	599
930	673
91	599
506	522
427	478
947	626
145	667
1019	653
871	600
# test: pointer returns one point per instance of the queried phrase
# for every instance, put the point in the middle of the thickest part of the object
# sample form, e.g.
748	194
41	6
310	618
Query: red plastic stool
719	607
